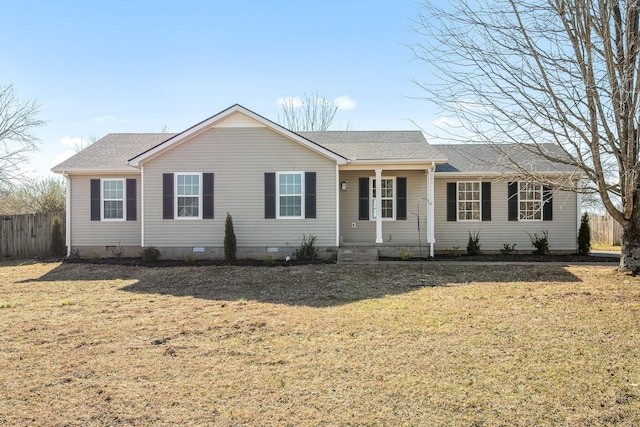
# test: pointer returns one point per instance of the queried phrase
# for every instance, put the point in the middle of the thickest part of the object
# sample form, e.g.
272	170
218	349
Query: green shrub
473	244
404	255
229	240
307	250
541	243
454	251
584	235
190	259
57	239
269	261
150	253
118	252
508	249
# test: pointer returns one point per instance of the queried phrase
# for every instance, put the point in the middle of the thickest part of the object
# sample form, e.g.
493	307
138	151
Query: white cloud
68	141
61	157
345	103
103	118
445	121
294	101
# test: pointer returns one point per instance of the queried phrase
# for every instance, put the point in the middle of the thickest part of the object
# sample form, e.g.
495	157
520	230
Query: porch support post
430	210
337	206
378	206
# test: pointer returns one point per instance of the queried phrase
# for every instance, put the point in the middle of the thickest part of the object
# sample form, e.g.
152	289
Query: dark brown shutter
452	189
95	200
401	198
512	201
131	200
486	201
167	196
207	195
363	198
269	195
310	195
547	207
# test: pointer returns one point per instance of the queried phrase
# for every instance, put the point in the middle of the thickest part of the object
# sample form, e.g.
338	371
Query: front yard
543	344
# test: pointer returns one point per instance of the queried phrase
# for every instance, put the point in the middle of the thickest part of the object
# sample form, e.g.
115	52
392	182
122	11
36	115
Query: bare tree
540	71
18	120
84	143
309	113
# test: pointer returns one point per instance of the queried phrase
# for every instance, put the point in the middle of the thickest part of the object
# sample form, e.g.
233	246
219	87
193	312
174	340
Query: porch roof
392	146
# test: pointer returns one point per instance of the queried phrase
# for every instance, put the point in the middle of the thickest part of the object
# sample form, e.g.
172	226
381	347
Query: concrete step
357	255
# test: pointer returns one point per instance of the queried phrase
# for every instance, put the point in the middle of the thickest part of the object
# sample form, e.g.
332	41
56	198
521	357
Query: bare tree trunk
630	257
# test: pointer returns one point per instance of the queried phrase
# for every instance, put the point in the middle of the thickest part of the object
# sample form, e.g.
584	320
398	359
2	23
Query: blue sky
133	66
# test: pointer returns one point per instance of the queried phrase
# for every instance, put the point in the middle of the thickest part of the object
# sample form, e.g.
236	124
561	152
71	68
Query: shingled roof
377	145
501	159
111	152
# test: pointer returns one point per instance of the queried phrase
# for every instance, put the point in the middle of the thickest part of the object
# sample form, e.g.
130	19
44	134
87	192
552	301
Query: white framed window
529	201
188	201
113	196
387	198
469	198
290	195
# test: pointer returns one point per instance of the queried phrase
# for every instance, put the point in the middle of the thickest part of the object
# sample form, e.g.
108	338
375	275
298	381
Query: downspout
142	206
430	209
67	219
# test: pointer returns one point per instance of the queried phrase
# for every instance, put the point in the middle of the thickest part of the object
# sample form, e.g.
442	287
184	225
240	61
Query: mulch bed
568	258
134	262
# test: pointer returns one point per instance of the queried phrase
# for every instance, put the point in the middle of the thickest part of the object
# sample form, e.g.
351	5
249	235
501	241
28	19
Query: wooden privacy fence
27	236
605	231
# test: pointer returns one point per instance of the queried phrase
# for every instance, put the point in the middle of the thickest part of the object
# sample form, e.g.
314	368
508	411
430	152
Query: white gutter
67	224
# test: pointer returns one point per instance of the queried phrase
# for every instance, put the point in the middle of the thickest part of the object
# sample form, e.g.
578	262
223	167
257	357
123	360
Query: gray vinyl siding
401	232
494	233
239	158
85	232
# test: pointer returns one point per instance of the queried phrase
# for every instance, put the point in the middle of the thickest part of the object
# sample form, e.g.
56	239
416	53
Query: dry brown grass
319	345
605	247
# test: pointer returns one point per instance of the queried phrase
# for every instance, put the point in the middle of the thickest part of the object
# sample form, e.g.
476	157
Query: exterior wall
239	157
400	232
493	234
170	252
85	232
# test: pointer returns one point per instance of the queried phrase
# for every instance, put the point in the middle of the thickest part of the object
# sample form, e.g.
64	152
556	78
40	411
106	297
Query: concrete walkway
607	254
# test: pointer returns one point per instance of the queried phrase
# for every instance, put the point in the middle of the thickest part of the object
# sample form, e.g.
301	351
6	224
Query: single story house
371	189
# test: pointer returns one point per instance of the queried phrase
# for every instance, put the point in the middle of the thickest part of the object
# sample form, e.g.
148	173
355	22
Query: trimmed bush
584	235
541	243
150	253
58	247
473	244
508	249
307	250
229	240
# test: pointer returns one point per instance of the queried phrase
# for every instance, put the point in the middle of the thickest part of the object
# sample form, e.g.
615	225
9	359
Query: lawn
543	344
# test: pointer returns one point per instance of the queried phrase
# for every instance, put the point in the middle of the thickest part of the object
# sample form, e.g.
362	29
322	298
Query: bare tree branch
545	71
310	113
18	120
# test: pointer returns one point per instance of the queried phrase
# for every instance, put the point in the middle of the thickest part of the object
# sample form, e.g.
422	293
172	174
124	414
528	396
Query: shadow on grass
305	285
